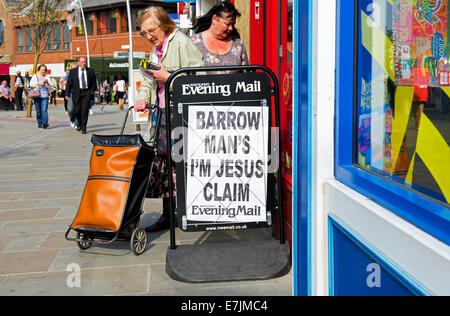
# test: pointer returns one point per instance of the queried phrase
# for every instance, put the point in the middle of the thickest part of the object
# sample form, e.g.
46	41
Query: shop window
66	36
89	18
56	37
19	33
123	21
402	94
48	44
112	22
28	41
107	22
1	32
392	100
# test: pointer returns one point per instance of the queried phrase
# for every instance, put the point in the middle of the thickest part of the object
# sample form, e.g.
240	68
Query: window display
403	88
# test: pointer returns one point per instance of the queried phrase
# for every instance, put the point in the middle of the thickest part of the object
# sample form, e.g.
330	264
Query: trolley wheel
86	242
138	241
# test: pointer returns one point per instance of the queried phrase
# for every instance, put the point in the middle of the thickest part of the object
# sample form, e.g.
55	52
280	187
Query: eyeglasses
149	32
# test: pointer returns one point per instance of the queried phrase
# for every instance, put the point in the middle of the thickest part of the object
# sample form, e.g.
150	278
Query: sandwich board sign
221	148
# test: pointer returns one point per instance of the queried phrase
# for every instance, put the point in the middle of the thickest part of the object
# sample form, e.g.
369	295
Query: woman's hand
140	106
161	75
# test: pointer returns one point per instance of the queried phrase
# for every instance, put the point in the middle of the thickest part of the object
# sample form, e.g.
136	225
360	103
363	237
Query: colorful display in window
403	125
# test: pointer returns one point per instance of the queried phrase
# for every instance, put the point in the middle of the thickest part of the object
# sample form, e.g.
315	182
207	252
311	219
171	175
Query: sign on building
224	171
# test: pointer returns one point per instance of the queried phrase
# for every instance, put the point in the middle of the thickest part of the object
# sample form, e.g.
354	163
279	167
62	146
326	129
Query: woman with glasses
217	38
171	50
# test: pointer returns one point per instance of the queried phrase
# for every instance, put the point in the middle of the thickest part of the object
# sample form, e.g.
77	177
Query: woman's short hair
161	18
42	65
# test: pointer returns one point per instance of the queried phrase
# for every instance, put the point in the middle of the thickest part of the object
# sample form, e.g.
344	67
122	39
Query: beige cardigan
180	52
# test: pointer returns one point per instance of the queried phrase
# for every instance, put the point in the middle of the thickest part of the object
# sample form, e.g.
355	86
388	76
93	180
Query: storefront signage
118	65
224	173
227	164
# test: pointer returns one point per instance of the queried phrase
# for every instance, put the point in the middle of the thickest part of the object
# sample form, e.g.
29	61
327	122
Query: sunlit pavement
43	173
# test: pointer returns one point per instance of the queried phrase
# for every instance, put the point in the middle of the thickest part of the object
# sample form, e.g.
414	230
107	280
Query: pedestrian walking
5	96
83	84
42	82
62	85
20	82
119	91
107	88
68	98
53	97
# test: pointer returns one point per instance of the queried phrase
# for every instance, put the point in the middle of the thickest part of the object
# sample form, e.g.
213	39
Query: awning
4	69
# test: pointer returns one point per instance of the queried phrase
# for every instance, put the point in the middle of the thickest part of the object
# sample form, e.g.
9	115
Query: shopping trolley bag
115	190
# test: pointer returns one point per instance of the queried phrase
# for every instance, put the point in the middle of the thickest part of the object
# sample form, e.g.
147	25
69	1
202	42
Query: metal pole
131	83
85	34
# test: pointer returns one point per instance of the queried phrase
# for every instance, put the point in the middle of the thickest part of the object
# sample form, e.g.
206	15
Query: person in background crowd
83	84
171	50
119	91
53	97
20	82
68	98
107	88
101	91
5	95
62	85
41	81
217	38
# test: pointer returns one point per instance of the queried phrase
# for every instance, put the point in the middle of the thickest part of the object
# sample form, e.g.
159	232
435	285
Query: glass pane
57	37
48	44
403	89
112	22
90	24
19	40
28	42
66	35
1	32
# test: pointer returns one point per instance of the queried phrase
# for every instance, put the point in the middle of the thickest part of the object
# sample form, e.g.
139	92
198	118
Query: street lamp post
85	34
72	9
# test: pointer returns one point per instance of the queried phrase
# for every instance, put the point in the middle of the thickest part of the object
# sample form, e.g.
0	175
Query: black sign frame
268	92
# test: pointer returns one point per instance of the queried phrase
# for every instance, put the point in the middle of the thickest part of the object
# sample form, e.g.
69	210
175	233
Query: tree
40	16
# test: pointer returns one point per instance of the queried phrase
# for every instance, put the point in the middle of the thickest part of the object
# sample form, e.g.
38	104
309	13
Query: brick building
6	40
107	30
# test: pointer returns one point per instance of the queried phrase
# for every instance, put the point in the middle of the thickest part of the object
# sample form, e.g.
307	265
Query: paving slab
107	281
41	185
26	261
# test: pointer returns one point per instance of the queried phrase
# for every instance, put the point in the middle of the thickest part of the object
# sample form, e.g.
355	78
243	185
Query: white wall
322	130
414	254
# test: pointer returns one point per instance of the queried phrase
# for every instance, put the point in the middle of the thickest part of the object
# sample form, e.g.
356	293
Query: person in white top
119	91
20	82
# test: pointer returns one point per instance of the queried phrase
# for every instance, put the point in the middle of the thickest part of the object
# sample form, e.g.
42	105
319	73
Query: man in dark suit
83	84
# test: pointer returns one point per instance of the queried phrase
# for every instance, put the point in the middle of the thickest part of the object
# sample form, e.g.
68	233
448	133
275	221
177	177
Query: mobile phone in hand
153	66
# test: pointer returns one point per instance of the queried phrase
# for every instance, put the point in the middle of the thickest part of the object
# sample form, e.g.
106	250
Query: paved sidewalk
43	173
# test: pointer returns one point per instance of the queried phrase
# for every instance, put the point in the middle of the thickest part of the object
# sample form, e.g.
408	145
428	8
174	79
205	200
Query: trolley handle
149	106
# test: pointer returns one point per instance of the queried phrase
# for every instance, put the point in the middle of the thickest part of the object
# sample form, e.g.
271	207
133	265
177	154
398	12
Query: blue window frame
417	208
